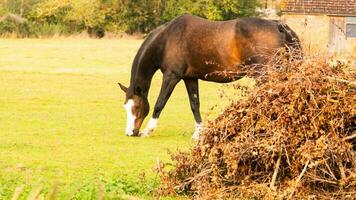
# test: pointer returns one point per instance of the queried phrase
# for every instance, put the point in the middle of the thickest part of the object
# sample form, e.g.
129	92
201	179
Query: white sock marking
152	124
130	123
198	128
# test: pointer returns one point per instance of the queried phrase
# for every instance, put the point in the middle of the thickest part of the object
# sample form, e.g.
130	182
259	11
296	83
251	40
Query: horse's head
137	108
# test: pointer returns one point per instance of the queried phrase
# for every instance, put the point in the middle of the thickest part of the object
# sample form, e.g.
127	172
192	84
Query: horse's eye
138	90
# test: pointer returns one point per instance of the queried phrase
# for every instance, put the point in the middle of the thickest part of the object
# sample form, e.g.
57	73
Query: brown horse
190	48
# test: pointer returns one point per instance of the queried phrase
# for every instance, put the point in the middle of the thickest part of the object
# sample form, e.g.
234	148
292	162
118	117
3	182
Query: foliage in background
49	17
12	23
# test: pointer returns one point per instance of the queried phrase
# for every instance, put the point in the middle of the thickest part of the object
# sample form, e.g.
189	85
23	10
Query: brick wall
328	7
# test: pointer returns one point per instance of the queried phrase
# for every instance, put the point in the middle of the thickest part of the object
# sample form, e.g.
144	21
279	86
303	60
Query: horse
190	48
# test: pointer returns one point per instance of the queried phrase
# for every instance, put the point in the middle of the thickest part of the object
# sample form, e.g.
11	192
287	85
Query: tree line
28	18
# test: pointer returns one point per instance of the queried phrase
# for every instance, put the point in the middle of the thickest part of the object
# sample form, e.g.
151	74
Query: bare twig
342	80
34	194
330	171
159	166
190	180
101	192
54	193
322	180
17	193
342	170
349	137
299	178
288	161
275	173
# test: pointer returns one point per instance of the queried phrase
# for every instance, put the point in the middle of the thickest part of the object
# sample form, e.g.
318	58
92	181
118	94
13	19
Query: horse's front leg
193	93
170	80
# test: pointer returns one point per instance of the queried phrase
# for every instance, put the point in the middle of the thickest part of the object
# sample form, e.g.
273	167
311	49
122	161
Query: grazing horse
190	48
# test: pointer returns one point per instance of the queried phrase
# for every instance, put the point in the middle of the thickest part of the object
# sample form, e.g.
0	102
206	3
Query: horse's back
199	43
259	39
195	47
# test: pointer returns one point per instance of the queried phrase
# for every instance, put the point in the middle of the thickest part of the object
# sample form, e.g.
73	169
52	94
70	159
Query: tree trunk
21	8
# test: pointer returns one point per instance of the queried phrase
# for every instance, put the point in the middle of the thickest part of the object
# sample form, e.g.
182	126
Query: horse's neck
142	79
144	67
147	61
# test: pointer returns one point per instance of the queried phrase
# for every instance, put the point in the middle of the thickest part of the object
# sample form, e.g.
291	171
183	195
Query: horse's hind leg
193	92
170	80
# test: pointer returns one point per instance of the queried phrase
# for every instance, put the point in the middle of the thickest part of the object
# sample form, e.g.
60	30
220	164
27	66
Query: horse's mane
142	50
292	38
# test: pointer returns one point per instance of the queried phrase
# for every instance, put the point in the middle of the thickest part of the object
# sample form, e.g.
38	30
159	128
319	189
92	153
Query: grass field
62	120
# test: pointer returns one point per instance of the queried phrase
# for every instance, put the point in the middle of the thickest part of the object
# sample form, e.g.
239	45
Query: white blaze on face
130	119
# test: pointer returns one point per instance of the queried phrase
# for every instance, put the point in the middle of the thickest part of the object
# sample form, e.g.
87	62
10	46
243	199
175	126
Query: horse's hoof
196	136
133	134
144	135
146	132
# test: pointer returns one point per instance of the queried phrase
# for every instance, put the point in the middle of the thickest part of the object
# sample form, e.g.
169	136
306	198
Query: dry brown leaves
292	137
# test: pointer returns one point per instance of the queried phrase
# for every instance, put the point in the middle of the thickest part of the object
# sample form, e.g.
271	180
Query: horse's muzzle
136	133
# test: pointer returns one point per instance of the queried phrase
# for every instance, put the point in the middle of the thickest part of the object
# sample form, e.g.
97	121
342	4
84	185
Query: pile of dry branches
293	136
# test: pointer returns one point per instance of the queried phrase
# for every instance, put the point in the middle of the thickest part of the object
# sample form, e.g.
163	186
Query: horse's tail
292	40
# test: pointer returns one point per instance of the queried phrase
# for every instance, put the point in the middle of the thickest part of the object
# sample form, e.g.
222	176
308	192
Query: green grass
62	120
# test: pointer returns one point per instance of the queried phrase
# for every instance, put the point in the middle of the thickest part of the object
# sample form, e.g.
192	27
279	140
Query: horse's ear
123	88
